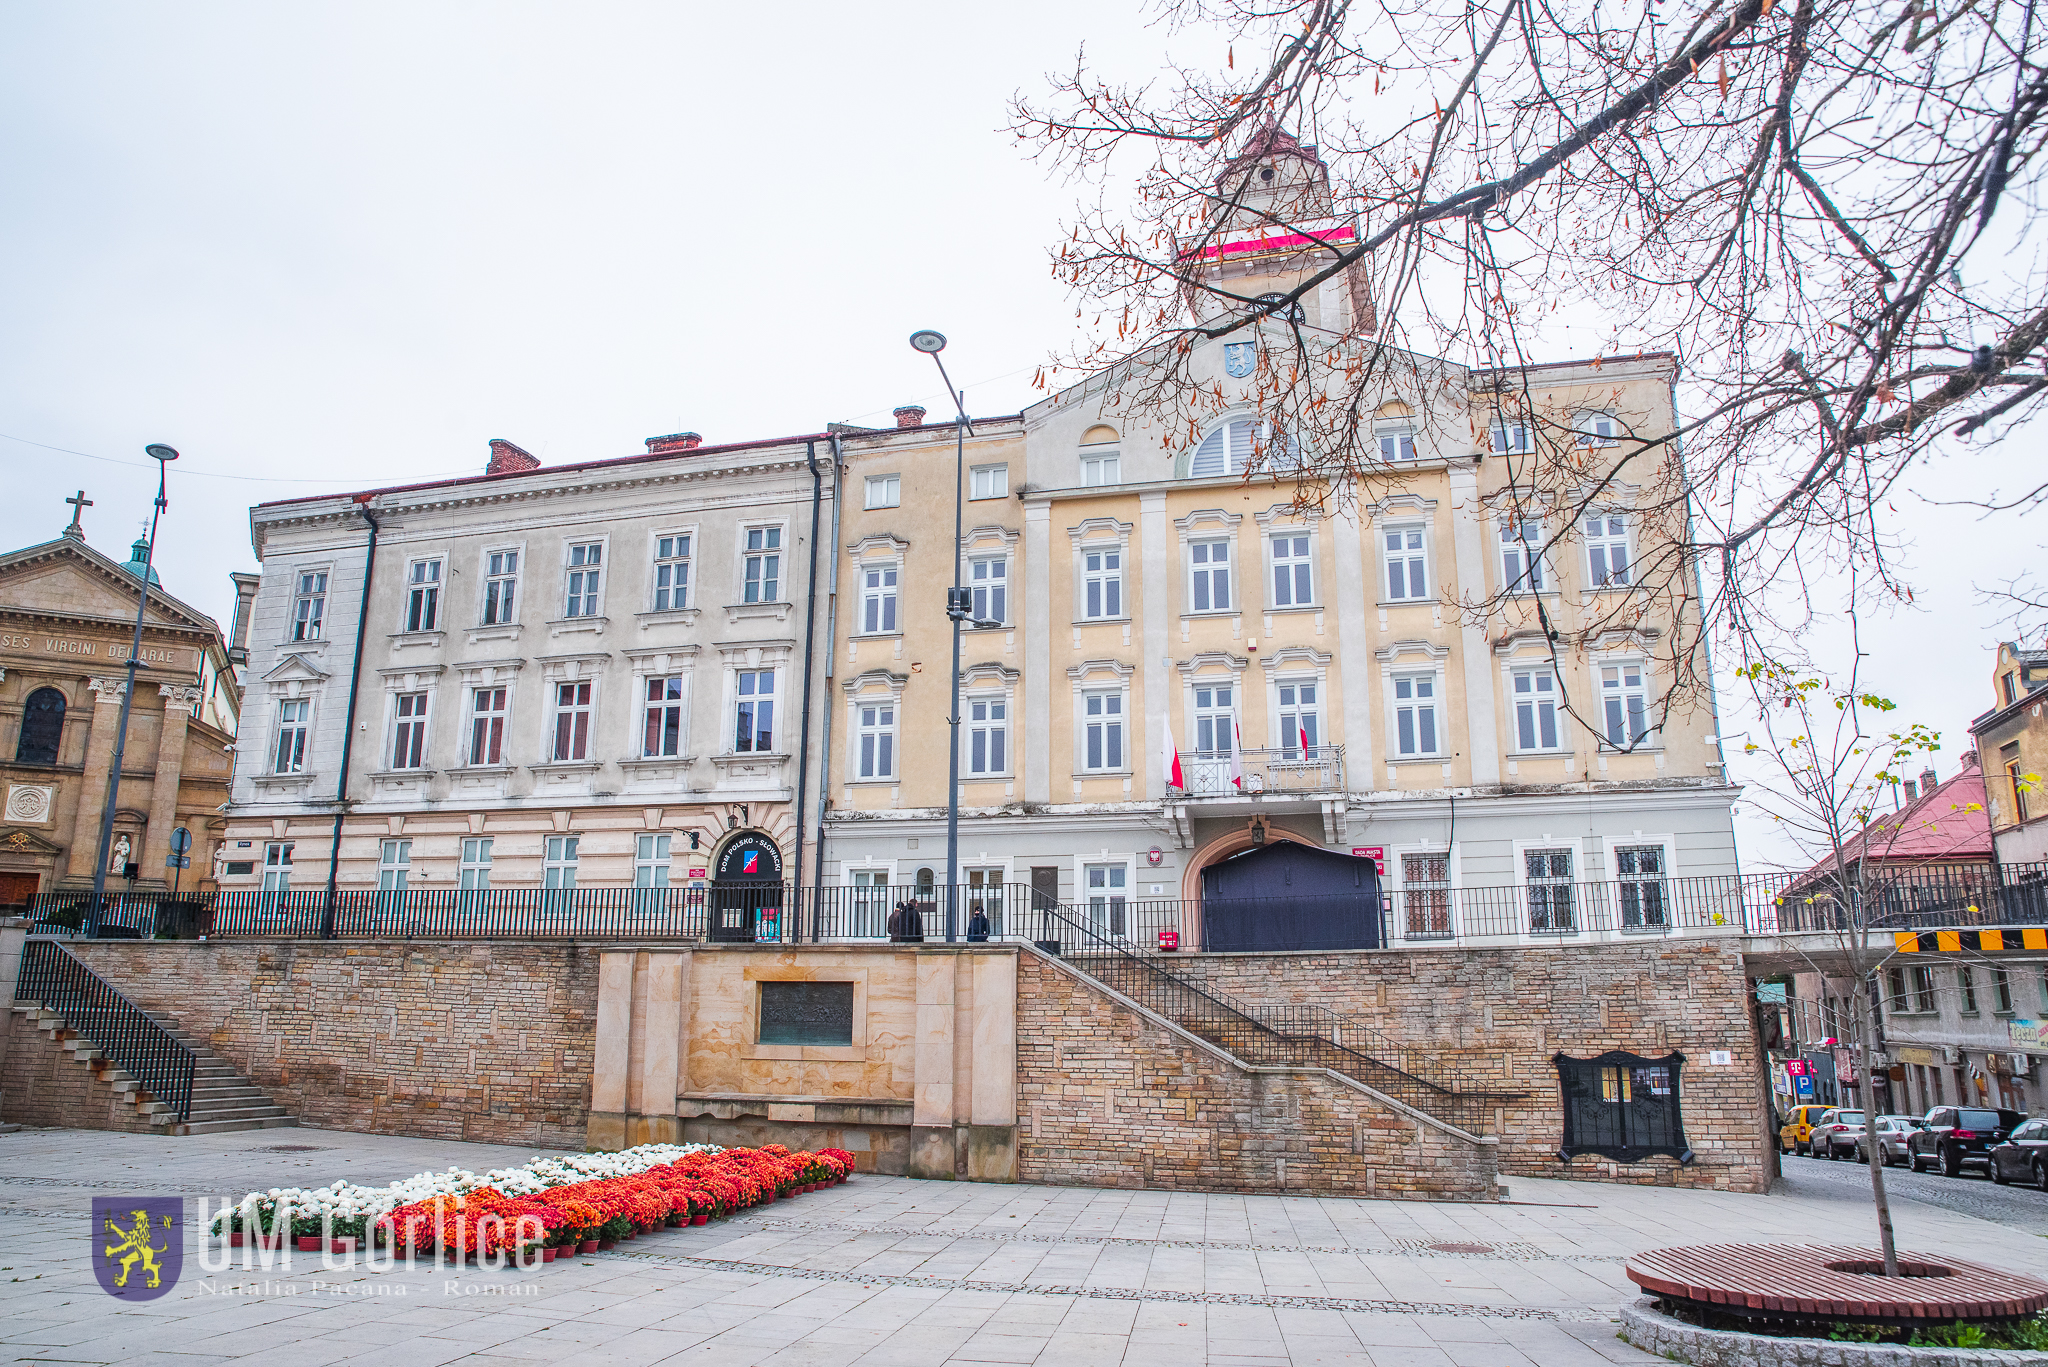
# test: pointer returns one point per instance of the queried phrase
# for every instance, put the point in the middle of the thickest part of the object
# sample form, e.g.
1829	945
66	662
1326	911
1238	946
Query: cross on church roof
78	506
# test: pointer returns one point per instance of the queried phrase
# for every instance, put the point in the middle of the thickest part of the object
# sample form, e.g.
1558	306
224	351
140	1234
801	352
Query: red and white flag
1171	754
1236	758
1303	730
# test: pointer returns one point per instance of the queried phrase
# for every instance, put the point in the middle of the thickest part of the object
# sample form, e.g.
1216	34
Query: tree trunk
1864	1009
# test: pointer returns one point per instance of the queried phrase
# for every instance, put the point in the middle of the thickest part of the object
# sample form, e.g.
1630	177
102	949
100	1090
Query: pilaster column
1469	526
92	790
1157	563
179	700
1039	613
1354	657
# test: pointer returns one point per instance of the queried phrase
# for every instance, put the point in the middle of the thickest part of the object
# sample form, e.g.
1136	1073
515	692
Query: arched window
1229	450
42	728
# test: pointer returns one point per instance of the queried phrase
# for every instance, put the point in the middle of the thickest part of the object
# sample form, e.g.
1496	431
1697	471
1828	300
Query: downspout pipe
348	732
831	648
803	750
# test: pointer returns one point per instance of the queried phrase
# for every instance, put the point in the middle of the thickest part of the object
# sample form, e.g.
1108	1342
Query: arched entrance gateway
746	901
1290	895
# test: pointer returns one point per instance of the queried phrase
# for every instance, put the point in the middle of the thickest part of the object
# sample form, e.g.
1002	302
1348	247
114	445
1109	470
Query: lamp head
160	451
928	341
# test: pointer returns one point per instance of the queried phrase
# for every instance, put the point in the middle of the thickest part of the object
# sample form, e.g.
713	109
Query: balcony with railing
1289	769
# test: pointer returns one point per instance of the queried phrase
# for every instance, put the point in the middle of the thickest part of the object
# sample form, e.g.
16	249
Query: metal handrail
53	978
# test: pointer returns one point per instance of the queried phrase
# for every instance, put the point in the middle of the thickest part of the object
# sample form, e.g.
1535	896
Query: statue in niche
121	851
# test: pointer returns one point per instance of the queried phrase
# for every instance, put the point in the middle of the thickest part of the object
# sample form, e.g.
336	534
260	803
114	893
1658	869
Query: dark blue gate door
1289	896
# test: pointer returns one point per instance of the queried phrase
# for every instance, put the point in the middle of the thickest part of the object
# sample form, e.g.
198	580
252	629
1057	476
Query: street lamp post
163	455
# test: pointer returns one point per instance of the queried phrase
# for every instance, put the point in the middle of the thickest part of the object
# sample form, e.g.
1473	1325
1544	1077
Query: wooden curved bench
1809	1282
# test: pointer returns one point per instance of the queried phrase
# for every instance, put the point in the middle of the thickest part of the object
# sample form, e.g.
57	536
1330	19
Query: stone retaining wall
1653	1331
41	1083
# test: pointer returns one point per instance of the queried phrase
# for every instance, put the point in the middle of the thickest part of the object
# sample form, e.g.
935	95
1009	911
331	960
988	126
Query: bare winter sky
328	247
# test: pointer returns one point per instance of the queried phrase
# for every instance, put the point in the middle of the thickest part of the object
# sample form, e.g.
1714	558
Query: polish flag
1171	754
1236	758
1303	732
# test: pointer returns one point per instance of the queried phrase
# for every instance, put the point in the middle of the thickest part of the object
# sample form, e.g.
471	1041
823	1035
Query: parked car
1958	1137
1892	1133
2023	1157
1796	1134
1837	1134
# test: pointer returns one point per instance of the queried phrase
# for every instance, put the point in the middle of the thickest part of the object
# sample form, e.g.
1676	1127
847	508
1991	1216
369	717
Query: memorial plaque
806	1013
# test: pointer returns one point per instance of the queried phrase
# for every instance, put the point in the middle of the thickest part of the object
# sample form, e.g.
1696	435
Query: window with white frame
1624	703
1102	584
1639	869
875	739
558	864
394	865
1596	429
671	572
754	711
572	722
422	595
1521	555
1606	550
1107	888
1426	894
473	874
580	597
884	491
409	731
1547	881
309	606
1102	741
1294	575
501	586
1208	576
988	736
762	576
1215	718
651	860
1100	466
1397	440
985	899
1407	563
1511	437
1415	715
277	865
878	599
988	581
294	719
487	725
1301	719
1225	451
662	732
1535	701
988	481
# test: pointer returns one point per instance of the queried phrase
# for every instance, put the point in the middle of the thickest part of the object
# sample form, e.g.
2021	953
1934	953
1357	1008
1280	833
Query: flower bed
565	1203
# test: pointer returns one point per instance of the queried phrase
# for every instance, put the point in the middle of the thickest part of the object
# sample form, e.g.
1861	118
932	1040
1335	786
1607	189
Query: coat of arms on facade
1239	358
138	1244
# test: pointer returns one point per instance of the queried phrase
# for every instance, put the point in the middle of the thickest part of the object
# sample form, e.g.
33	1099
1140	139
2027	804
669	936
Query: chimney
1929	780
245	598
507	459
675	441
910	415
1912	791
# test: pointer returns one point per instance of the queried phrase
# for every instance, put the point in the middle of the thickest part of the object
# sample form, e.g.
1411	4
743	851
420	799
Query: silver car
1892	1133
1837	1134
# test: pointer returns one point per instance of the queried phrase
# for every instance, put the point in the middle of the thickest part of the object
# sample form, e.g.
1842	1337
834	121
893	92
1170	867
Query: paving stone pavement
889	1272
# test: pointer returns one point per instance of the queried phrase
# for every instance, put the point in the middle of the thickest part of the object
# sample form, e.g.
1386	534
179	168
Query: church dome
137	565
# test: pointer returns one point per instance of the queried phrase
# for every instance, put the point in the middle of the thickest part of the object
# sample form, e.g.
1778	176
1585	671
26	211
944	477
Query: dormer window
1598	429
1231	447
1397	440
1276	306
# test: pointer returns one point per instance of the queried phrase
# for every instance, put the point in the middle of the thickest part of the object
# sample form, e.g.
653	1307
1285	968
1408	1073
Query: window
487	726
277	866
1397	440
1415	729
1895	991
1597	429
1225	451
1102	584
754	714
558	871
1622	698
2001	991
988	481
394	865
572	721
1215	720
1426	889
1521	555
310	606
1549	875
1407	564
988	735
42	728
409	731
423	595
1535	709
884	491
1300	721
2010	684
473	875
985	896
1294	584
501	586
651	861
1606	550
294	715
1966	983
1108	890
1103	731
1923	989
663	736
989	582
2016	779
1622	1106
764	564
671	573
878	599
581	597
1511	438
1100	466
1209	576
1640	871
877	740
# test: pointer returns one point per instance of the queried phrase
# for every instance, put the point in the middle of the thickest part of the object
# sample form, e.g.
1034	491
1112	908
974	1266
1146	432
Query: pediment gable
15	840
294	667
66	578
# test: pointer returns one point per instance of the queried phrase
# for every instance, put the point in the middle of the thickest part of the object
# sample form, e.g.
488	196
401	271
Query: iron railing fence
54	979
1212	773
1926	897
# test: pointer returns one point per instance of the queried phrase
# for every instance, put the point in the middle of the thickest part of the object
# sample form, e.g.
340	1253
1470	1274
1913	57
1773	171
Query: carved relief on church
31	804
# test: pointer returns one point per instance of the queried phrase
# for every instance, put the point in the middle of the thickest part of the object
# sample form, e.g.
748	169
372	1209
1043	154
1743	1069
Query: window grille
1621	1106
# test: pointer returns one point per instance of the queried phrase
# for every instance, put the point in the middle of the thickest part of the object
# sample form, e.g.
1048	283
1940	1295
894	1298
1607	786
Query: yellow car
1796	1135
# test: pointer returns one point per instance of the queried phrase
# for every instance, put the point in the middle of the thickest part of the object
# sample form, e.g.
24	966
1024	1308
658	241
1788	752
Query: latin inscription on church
110	652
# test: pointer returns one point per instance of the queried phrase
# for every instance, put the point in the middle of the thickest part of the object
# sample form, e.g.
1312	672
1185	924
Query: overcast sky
327	247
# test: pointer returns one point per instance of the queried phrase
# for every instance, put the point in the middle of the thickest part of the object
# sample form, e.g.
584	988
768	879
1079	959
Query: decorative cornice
1209	659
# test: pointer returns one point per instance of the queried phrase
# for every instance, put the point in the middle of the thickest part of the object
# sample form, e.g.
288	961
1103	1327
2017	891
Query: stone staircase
222	1100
